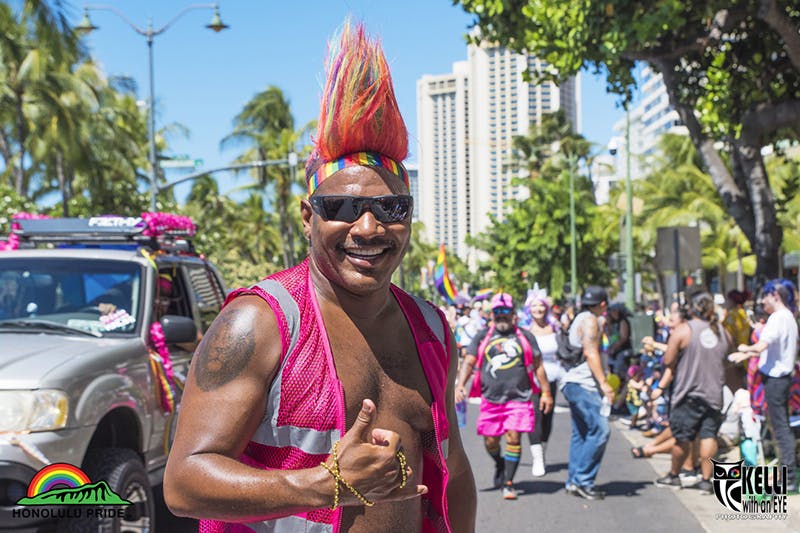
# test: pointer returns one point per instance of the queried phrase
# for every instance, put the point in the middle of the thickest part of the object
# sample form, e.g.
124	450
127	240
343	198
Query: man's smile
366	252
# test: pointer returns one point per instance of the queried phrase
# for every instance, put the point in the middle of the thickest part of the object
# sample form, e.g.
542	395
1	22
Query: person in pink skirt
505	358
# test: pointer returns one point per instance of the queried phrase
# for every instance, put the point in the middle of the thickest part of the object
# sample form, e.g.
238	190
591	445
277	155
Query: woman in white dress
544	327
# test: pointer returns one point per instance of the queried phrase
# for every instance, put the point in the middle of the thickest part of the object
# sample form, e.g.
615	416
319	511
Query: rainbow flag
482	295
442	279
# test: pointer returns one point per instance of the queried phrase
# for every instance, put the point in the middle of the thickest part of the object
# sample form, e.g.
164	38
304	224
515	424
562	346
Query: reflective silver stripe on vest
310	441
288	306
432	318
290	524
445	448
269	433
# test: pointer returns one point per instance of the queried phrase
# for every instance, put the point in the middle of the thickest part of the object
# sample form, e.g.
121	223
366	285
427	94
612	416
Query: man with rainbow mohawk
322	398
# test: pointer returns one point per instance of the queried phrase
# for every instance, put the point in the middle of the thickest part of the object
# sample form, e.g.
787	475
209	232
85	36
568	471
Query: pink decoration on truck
12	242
168	223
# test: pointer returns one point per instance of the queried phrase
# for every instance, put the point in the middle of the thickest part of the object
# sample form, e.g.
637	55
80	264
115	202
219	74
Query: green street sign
182	163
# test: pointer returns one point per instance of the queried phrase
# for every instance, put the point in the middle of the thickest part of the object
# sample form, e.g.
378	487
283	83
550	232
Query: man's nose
367	225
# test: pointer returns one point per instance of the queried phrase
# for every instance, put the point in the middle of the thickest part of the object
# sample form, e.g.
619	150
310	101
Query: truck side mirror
178	329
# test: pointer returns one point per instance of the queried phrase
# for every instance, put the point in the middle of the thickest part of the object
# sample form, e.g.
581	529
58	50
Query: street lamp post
612	147
572	160
86	26
573	259
628	215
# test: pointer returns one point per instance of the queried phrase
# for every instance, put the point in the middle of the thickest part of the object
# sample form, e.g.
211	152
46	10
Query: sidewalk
706	508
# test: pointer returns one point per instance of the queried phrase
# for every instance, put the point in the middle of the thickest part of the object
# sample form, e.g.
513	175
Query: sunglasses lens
387	209
391	209
502	311
338	208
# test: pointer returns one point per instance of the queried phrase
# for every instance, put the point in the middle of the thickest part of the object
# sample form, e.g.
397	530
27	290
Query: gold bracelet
335	472
401	457
335	487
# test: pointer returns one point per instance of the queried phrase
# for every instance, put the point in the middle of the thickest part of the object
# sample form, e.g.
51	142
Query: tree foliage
63	129
266	128
677	192
242	239
731	68
532	243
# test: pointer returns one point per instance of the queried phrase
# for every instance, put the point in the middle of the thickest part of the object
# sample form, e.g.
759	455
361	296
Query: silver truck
78	366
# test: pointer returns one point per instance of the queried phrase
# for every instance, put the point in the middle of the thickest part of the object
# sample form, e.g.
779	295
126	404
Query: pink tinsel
159	342
12	242
161	223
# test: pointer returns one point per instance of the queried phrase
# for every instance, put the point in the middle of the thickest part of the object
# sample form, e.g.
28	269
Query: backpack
567	354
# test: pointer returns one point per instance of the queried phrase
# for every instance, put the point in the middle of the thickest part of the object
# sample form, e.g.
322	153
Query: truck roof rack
108	230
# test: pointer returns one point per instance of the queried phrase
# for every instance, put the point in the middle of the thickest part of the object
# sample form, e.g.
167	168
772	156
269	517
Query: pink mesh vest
306	415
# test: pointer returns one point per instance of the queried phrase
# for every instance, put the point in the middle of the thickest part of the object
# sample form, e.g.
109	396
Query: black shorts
693	417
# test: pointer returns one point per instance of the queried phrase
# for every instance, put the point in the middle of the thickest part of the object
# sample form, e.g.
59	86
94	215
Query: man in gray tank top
694	361
583	386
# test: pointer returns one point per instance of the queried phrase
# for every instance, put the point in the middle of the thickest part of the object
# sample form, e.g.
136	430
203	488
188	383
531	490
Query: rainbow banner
442	279
482	294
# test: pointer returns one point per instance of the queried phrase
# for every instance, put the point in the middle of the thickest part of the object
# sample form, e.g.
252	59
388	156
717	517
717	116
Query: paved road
632	503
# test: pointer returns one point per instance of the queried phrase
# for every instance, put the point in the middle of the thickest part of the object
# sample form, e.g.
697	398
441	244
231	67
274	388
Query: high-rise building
650	118
413	188
467	120
444	159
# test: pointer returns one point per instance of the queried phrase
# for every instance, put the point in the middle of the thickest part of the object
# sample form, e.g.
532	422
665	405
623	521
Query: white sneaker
509	492
537	453
689	478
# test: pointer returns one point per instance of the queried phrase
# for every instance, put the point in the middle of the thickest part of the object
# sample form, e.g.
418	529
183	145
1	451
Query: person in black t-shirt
506	358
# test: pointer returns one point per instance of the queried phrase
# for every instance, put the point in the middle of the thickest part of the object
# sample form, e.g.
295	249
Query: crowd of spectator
636	369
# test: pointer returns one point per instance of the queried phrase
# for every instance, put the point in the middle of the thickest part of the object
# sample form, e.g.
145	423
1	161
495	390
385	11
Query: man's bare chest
386	369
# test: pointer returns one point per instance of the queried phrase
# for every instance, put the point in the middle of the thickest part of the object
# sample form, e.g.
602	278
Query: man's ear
306	213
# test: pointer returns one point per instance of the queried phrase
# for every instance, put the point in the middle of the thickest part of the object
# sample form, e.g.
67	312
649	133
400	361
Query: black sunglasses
388	209
502	310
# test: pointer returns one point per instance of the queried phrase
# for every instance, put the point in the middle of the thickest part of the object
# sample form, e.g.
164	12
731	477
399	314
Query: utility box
642	325
679	247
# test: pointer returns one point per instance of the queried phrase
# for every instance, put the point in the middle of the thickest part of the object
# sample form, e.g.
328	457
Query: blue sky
203	79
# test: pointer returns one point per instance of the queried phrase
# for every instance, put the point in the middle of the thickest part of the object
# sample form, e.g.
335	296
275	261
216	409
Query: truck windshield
93	295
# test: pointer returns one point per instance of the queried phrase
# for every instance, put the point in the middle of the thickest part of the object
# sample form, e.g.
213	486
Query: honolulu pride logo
63	484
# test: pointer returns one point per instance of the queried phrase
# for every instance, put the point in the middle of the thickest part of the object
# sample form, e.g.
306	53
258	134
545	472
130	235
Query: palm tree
266	126
37	50
115	141
241	238
554	133
678	192
534	238
59	139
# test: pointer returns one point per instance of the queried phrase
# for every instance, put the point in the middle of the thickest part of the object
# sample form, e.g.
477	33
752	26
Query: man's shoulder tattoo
228	348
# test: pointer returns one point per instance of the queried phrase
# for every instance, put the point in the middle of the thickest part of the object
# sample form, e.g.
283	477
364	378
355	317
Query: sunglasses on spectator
502	311
389	209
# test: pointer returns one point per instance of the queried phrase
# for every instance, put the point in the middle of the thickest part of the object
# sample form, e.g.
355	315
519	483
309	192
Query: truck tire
124	472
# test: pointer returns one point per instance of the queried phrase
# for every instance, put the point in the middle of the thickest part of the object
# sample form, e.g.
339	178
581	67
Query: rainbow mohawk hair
358	112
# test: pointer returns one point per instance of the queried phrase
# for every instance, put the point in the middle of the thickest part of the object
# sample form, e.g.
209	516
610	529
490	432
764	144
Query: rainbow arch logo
66	484
57	475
